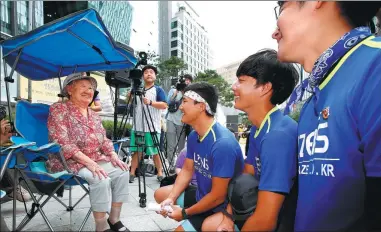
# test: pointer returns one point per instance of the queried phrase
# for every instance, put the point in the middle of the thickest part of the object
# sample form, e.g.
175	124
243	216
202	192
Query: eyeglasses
277	12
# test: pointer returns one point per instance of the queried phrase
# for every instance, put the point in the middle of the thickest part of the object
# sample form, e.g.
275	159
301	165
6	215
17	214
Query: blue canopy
79	42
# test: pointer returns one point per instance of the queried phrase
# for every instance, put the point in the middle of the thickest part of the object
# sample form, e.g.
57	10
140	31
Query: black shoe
117	227
132	178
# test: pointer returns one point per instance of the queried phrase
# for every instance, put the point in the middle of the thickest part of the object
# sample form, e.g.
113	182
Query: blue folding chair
31	124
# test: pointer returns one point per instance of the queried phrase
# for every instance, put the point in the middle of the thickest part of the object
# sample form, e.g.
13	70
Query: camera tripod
140	143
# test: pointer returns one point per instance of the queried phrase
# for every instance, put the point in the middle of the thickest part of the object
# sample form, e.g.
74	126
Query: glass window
5	19
174	34
174	53
174	44
174	25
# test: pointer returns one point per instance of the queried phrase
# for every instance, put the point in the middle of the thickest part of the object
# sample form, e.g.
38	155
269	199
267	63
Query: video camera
128	78
180	85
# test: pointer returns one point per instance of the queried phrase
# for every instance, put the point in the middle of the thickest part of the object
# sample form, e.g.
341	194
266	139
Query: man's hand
116	162
226	225
168	201
174	94
146	101
176	213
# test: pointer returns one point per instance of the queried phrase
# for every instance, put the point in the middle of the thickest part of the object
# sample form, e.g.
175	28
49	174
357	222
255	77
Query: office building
188	38
17	17
116	17
228	72
165	16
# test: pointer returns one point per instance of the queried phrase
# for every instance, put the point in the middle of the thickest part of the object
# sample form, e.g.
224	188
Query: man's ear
266	88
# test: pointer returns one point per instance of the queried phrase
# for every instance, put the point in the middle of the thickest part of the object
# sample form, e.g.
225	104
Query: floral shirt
76	133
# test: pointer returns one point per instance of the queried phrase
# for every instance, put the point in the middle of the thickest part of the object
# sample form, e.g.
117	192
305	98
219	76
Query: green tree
244	119
171	67
225	93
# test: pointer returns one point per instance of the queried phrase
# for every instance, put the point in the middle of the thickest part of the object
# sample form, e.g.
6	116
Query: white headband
196	97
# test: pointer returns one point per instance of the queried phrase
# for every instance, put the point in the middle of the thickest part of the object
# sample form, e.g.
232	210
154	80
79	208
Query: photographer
175	131
153	100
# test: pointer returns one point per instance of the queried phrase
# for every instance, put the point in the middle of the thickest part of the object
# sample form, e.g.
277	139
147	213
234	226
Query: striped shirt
144	123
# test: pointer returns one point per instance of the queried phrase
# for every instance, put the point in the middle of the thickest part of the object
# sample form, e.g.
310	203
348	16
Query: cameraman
175	131
153	100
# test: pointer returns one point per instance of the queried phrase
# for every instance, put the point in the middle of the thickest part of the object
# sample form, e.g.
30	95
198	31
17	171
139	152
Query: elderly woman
88	152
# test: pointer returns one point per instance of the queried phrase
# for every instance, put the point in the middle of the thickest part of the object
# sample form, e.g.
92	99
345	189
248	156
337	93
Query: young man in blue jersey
212	153
263	83
339	128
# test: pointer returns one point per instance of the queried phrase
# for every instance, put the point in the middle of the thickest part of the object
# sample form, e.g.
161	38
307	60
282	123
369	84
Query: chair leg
79	200
62	203
70	203
15	183
85	220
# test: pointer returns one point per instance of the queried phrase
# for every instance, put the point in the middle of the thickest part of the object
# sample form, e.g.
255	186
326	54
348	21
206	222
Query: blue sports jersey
217	154
341	145
272	152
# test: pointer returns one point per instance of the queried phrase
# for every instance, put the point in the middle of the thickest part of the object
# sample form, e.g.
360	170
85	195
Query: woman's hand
97	170
5	131
117	162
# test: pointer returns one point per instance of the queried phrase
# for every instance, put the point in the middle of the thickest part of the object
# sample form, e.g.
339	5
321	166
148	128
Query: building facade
182	35
228	72
165	16
17	17
189	40
117	17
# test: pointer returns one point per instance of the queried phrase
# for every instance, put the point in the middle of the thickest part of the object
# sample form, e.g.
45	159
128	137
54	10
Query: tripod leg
142	195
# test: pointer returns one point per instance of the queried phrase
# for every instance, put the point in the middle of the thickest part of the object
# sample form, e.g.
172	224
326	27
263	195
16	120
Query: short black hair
357	13
188	76
149	67
265	67
206	91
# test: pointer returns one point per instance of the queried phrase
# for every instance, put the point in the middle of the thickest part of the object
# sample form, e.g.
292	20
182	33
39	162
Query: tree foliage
172	67
225	93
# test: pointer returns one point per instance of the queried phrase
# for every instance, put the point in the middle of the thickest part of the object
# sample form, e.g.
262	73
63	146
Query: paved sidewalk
134	217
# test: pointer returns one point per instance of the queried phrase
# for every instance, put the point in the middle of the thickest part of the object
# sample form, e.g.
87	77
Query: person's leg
136	156
162	193
162	134
158	165
171	141
100	197
119	192
152	150
179	228
211	223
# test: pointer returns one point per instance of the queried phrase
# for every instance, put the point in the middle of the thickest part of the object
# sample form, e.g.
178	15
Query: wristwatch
184	214
150	102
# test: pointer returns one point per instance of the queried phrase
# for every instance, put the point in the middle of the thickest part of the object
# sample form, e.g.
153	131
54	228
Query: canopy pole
8	79
90	45
60	83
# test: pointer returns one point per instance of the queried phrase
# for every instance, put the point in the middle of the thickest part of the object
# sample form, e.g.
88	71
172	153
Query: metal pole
30	27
